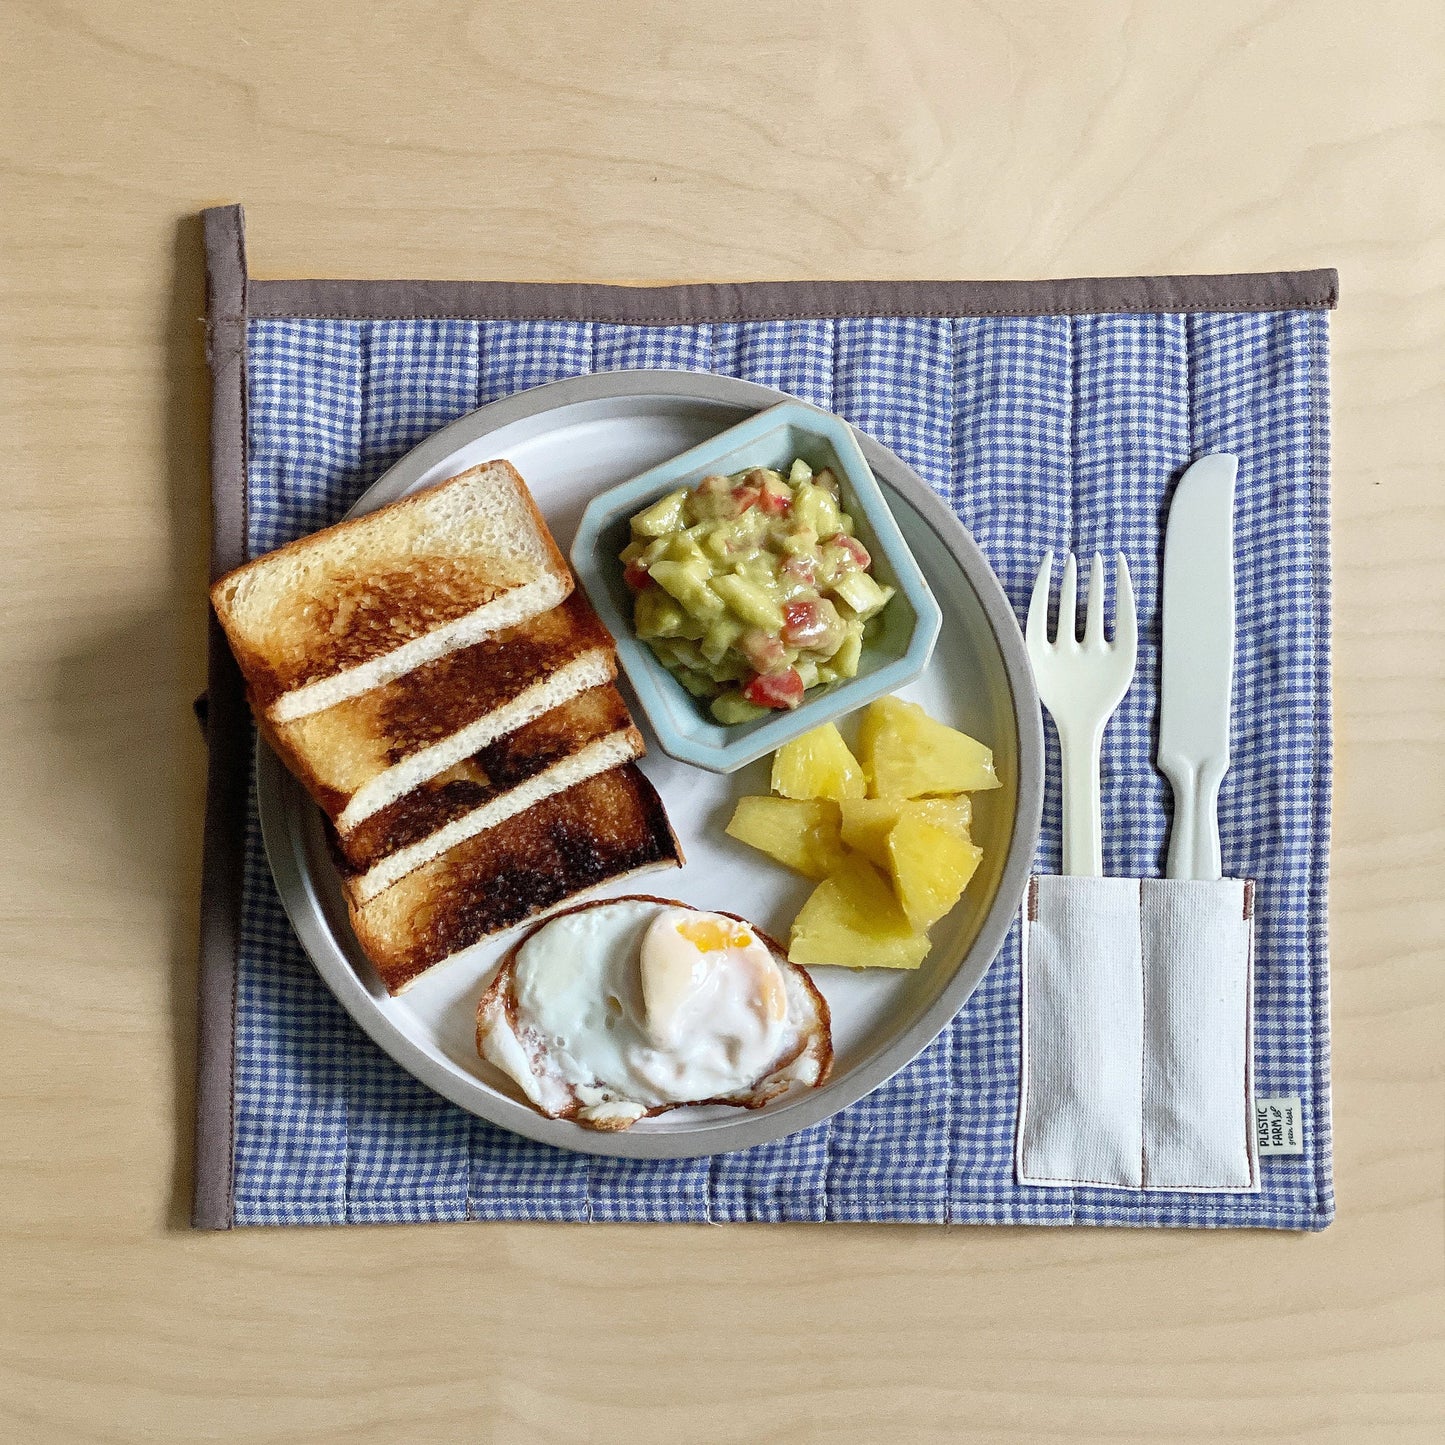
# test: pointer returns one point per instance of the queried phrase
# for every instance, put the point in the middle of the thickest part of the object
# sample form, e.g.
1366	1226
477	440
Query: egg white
578	1035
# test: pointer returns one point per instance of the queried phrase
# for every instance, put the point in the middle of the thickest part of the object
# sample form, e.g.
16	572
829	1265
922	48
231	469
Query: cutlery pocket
1137	1034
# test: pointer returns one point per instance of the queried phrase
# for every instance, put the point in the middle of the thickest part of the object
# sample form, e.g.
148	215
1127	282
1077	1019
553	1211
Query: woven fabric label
1278	1127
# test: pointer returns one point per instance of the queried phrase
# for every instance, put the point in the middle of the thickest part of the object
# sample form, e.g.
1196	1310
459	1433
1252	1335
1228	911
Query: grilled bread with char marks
587	735
603	829
350	608
431	677
362	755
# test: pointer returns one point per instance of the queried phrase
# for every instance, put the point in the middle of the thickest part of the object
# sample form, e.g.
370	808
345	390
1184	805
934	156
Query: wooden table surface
652	141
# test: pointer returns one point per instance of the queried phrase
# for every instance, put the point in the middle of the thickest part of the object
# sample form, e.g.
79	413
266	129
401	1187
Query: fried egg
632	1006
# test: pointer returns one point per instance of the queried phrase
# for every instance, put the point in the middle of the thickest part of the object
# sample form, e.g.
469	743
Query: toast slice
587	735
608	827
362	755
349	608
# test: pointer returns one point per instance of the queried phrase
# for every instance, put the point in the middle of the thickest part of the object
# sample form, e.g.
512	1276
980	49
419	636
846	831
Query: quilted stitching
1057	431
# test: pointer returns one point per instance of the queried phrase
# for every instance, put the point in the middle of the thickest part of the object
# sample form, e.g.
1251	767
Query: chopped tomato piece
775	504
775	689
637	577
852	546
745	497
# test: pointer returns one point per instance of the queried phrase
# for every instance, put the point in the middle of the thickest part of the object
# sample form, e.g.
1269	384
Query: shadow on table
122	703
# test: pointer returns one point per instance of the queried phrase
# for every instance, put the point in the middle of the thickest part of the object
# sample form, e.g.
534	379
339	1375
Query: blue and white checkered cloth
1041	432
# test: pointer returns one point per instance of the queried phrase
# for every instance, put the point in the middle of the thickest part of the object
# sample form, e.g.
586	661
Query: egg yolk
705	976
713	935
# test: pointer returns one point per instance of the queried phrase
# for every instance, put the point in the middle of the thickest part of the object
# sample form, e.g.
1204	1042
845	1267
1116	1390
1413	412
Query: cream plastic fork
1081	683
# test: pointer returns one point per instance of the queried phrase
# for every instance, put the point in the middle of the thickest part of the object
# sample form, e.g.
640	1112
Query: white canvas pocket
1137	1035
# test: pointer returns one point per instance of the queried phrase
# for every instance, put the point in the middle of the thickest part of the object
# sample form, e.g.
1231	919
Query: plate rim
285	850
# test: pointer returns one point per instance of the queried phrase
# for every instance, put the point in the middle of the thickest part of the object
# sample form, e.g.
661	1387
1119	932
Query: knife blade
1197	660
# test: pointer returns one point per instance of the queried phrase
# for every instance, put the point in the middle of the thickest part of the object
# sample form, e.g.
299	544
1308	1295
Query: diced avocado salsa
752	588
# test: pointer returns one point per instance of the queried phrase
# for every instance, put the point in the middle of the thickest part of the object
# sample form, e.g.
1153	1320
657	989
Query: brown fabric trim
226	731
790	300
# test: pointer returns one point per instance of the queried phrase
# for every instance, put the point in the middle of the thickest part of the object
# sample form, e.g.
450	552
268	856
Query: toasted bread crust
601	829
500	994
355	613
336	751
496	769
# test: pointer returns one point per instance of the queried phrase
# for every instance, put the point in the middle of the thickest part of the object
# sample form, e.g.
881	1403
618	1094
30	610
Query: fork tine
1094	607
1126	629
1036	630
1068	628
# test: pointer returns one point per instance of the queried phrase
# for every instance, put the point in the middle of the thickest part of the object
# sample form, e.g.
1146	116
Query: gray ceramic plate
570	440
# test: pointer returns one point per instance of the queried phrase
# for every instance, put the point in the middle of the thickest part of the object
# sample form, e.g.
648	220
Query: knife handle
1194	833
1083	823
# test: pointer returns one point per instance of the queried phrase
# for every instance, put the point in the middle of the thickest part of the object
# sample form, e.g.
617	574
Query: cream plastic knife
1197	660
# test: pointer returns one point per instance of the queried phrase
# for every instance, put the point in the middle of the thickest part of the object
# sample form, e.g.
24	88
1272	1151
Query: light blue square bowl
684	727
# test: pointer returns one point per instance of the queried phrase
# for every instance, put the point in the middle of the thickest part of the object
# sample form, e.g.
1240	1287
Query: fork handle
1083	818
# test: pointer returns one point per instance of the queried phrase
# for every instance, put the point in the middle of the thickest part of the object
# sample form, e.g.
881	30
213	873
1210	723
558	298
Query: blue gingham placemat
1041	431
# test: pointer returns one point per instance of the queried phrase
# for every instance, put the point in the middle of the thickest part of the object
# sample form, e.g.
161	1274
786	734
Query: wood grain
655	142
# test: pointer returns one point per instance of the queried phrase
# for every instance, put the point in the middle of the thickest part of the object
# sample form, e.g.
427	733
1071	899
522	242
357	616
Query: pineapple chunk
866	822
801	833
817	765
953	815
852	919
930	868
906	754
